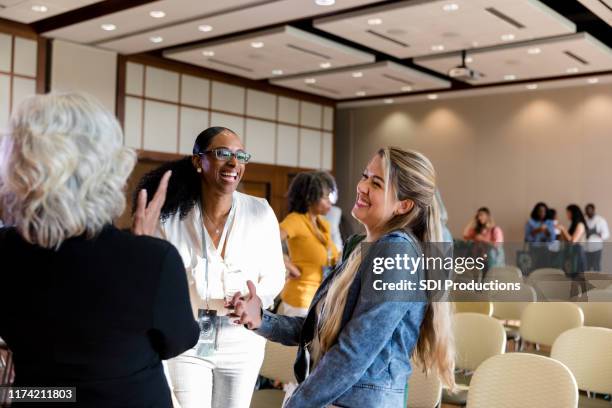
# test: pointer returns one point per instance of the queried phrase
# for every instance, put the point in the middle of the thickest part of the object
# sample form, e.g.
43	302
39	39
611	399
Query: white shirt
334	216
253	246
598	233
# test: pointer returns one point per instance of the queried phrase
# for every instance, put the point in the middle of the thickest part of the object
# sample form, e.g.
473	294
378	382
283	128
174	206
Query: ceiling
401	47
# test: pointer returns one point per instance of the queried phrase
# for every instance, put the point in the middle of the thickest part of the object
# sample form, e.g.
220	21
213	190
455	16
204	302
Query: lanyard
222	243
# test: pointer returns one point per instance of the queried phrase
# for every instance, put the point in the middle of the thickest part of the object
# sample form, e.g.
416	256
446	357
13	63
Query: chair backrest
504	274
554	288
278	362
598	280
485	308
522	380
543	322
477	337
542	272
596	305
424	389
509	305
587	352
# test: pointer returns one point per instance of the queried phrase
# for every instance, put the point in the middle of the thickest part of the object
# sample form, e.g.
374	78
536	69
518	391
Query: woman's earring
199	169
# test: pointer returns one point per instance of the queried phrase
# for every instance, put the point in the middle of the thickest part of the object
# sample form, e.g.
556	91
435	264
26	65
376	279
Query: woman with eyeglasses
308	237
224	238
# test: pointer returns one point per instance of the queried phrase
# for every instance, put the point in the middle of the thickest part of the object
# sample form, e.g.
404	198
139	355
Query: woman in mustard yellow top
307	235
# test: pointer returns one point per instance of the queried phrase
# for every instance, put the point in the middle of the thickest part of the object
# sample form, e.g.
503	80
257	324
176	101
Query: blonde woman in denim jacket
354	350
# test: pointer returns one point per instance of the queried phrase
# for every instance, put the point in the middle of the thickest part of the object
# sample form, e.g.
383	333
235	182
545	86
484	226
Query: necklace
216	226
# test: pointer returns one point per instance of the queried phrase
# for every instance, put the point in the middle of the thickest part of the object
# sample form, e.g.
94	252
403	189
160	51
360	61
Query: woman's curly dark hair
307	188
184	189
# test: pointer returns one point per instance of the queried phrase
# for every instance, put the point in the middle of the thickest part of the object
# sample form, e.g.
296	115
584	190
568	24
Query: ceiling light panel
285	48
382	78
417	28
29	11
138	19
572	54
185	16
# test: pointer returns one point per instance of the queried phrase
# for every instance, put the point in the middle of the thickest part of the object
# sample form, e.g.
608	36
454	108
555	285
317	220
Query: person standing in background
225	238
538	228
483	229
598	232
308	236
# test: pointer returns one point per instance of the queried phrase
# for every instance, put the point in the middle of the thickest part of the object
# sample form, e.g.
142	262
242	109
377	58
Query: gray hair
63	168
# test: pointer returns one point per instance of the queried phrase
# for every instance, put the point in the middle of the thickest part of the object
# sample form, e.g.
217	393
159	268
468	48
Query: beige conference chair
544	272
277	365
484	308
424	389
587	352
598	280
518	380
477	338
504	274
508	306
543	322
596	305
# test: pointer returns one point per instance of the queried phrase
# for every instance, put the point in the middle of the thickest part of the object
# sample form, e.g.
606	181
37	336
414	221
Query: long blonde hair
411	176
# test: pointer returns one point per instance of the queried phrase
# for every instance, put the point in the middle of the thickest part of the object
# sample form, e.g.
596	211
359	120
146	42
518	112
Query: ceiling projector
462	72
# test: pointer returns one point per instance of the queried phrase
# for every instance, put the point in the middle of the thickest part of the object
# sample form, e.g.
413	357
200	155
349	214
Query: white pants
224	380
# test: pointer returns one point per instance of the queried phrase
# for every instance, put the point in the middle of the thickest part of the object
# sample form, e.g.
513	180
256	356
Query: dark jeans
593	261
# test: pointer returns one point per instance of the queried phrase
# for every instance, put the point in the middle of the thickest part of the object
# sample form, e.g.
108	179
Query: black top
98	314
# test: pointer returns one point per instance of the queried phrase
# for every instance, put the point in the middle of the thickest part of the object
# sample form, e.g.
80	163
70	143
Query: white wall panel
193	121
161	84
5	52
287	144
228	98
310	149
133	78
22	88
85	69
161	126
310	114
327	150
132	123
25	56
261	140
232	122
328	118
288	110
195	91
4	100
261	104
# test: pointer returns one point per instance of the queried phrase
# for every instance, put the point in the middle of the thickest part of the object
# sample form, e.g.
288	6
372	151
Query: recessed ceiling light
450	7
325	65
469	59
357	74
325	2
510	77
432	96
593	80
531	86
108	27
310	80
208	53
572	70
534	51
374	21
205	28
39	9
406	88
156	39
277	72
507	37
388	101
257	44
157	14
437	47
360	93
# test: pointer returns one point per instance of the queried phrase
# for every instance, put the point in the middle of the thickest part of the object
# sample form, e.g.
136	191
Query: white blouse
253	246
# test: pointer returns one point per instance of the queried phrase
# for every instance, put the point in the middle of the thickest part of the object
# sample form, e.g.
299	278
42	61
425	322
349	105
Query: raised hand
146	218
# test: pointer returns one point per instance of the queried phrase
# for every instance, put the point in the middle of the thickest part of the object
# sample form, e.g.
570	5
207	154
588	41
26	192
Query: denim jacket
369	364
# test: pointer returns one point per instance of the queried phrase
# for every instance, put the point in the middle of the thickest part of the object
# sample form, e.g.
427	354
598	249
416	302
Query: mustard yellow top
308	250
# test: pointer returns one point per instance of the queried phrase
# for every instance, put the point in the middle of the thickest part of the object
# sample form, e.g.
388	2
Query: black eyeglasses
225	154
